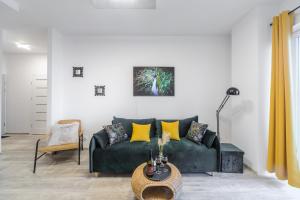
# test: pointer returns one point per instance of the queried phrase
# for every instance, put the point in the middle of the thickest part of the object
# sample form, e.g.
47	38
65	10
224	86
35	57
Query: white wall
55	77
289	4
202	75
265	14
251	72
244	77
20	71
1	69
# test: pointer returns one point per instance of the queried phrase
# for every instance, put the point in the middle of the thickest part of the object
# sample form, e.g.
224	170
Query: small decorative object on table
158	170
149	169
161	159
231	158
163	174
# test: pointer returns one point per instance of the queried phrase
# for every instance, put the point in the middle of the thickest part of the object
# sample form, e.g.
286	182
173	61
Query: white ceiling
79	17
37	39
171	17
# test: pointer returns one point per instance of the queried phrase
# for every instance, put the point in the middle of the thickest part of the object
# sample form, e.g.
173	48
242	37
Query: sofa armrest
211	140
101	139
92	148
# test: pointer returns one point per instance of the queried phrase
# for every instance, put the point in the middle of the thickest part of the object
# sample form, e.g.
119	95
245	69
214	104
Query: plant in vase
161	143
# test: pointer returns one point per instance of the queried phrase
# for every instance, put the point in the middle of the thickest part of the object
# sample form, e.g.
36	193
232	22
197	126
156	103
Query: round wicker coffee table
145	189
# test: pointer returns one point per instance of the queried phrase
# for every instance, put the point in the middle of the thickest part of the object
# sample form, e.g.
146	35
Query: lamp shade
233	91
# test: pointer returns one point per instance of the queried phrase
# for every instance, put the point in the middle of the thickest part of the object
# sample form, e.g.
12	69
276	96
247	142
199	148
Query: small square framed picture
99	90
77	71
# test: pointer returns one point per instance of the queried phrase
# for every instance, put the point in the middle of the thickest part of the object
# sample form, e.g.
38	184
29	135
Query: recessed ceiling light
23	46
124	4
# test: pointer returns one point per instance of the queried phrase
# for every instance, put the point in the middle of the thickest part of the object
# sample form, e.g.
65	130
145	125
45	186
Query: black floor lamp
230	92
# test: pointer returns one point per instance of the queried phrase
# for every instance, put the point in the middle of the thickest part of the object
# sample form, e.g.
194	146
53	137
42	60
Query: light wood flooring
59	177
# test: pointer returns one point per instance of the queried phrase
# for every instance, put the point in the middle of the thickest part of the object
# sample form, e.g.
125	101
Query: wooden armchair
62	147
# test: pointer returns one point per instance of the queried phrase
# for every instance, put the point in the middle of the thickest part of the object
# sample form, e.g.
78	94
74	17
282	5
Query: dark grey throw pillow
127	123
196	132
116	133
209	138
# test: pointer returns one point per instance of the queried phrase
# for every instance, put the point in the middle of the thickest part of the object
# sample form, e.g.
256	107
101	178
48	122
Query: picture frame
78	72
99	90
153	81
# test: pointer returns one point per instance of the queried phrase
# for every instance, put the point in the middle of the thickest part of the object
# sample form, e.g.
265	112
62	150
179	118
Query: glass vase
161	151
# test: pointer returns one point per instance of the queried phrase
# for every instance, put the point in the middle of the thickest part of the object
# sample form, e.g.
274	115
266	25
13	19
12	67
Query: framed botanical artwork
99	90
153	81
77	71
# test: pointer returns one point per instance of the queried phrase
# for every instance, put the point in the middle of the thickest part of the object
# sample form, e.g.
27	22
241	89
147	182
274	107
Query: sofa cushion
189	156
123	157
127	123
184	125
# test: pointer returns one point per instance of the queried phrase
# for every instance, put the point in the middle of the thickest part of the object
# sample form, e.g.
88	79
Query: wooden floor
59	177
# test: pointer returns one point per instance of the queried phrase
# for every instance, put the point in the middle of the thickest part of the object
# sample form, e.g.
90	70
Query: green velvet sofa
123	158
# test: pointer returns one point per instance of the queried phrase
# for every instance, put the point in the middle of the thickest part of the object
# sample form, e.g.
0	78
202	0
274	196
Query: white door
39	101
3	106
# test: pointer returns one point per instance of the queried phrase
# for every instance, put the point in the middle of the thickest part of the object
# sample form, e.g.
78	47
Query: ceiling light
12	4
23	46
124	4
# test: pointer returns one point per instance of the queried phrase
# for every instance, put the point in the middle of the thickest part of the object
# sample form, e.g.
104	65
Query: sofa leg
97	174
79	148
79	154
209	173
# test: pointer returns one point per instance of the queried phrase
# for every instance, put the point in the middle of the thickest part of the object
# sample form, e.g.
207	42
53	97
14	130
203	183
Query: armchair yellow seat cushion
62	147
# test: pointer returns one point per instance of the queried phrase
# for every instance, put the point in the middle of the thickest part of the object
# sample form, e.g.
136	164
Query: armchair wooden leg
35	156
79	148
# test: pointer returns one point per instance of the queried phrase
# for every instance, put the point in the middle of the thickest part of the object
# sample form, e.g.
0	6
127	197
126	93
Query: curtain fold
282	157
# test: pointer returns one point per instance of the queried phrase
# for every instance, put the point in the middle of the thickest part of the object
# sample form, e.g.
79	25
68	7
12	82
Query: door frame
3	104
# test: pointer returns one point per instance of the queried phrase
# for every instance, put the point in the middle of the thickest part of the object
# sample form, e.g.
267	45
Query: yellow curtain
282	157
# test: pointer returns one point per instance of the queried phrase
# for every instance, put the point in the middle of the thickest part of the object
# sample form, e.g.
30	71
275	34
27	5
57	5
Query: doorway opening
24	82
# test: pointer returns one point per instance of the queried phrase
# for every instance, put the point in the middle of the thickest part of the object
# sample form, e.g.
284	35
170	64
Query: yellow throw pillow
140	132
171	128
